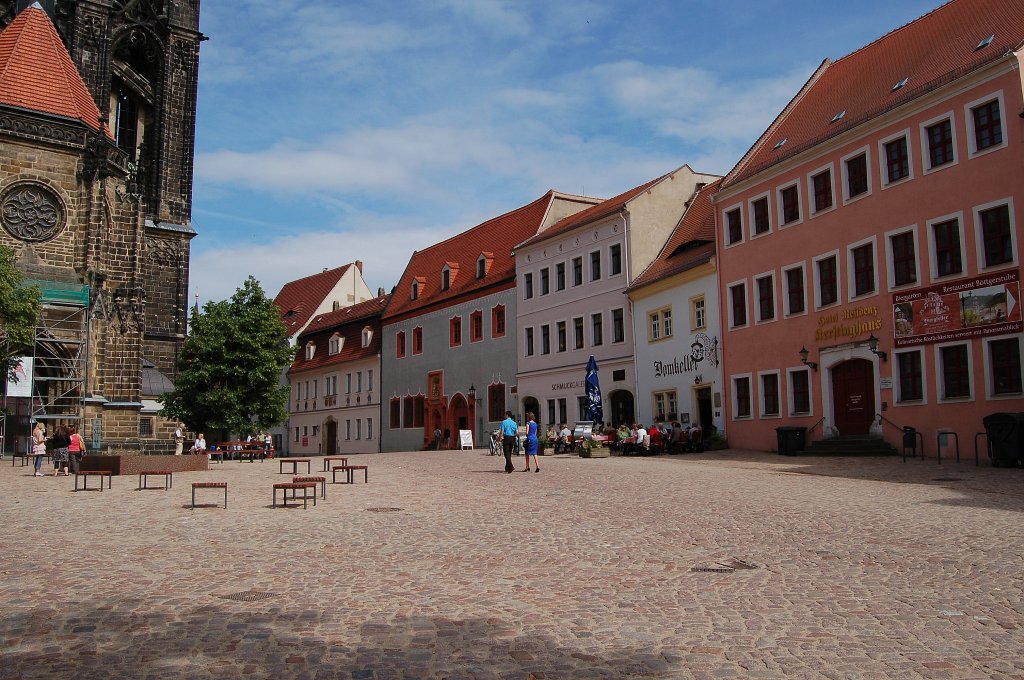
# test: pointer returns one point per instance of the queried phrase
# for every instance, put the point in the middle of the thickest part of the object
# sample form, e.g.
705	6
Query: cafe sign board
967	308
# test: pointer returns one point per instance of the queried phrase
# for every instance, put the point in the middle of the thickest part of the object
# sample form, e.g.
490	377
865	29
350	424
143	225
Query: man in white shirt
642	440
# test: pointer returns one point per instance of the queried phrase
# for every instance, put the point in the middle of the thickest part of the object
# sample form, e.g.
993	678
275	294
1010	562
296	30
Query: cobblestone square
717	565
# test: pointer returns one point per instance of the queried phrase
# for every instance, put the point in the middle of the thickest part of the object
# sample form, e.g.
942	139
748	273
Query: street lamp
873	346
803	359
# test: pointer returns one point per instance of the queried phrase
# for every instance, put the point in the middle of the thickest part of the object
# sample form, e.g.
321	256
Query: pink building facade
877	224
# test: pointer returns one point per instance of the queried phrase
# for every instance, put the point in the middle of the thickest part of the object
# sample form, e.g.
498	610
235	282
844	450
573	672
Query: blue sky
330	132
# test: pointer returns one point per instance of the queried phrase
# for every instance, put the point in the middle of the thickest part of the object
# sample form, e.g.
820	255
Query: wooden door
853	396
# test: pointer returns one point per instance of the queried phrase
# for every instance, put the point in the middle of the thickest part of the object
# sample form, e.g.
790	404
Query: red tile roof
298	300
498	236
349	322
931	51
37	73
592	214
692	241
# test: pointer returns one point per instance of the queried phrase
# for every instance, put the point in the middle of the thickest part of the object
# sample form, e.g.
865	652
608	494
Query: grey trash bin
1005	438
791	440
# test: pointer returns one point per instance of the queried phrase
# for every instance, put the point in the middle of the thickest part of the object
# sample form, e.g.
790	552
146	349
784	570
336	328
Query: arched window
415	293
310	350
446	278
367	336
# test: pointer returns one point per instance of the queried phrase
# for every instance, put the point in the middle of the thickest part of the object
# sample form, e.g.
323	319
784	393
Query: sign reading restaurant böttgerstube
967	308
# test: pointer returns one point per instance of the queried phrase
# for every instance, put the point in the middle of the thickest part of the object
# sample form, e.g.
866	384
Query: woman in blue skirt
531	443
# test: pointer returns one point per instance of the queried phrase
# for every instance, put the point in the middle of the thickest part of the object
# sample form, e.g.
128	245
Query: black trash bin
791	440
1005	438
910	440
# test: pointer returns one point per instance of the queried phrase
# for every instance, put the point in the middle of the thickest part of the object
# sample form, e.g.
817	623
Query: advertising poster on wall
21	386
984	305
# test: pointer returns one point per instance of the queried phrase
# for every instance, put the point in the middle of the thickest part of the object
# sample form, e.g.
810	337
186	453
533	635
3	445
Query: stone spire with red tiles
37	73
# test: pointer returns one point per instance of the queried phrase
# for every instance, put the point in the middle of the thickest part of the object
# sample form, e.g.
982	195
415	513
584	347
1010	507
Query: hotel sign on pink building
877	225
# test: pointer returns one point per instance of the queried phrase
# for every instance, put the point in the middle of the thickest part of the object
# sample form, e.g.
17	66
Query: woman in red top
76	449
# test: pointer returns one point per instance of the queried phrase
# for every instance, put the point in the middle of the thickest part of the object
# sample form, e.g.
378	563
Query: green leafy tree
230	367
19	311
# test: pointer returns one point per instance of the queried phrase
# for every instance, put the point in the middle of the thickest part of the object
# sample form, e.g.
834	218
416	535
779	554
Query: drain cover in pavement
384	509
248	596
715	568
946	479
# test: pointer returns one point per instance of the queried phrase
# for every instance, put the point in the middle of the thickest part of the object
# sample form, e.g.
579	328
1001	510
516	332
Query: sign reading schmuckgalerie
968	308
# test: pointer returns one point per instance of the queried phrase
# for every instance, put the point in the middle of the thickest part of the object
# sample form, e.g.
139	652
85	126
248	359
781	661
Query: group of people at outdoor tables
662	437
261	443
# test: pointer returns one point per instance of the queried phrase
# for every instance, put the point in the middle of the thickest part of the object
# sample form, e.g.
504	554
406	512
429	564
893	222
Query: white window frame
592	334
746	302
897	384
851	290
335	344
310	350
725	225
883	159
622	268
529	338
811	209
611	314
972	142
761	393
564	324
987	361
890	265
565	275
528	291
790	400
600	266
926	157
802	266
657	329
979	244
775	297
940	376
817	279
694	326
583	334
543	278
933	256
367	336
780	208
732	395
750	213
866	150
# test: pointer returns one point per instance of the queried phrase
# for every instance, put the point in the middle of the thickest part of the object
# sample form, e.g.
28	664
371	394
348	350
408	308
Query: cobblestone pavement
718	565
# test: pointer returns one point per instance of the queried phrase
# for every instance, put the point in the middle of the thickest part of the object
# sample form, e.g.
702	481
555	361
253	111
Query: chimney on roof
380	292
359	266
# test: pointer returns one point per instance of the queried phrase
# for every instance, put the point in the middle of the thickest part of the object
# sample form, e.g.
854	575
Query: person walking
76	449
531	442
508	440
437	439
60	442
38	448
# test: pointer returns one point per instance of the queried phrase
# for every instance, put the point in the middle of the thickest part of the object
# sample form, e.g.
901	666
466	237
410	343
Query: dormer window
483	264
414	294
335	306
310	350
367	336
336	343
446	278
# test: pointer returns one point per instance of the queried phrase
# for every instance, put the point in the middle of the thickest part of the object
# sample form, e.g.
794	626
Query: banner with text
968	308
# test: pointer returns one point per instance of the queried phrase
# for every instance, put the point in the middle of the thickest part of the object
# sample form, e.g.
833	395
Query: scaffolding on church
57	364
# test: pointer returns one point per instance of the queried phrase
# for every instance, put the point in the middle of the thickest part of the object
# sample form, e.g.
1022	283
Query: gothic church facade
97	129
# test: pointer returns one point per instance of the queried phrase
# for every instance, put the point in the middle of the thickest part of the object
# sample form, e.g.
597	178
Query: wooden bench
294	462
209	485
167	474
86	474
350	473
330	459
285	487
322	481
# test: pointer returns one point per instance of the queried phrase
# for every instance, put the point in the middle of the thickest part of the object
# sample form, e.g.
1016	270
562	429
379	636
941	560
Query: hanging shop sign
20	383
968	308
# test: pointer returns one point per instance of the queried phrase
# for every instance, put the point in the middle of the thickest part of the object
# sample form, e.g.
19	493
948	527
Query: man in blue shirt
509	429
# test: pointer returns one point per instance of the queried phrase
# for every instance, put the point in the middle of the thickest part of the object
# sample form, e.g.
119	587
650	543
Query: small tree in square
230	367
19	311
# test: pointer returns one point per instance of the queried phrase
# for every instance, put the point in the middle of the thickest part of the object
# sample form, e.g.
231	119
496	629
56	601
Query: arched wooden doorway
623	407
531	405
330	437
458	418
853	396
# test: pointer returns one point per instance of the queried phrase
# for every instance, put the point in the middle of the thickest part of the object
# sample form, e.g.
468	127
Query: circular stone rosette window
32	212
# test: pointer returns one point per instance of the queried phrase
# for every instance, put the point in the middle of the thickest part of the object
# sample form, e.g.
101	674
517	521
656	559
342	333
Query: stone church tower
97	129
